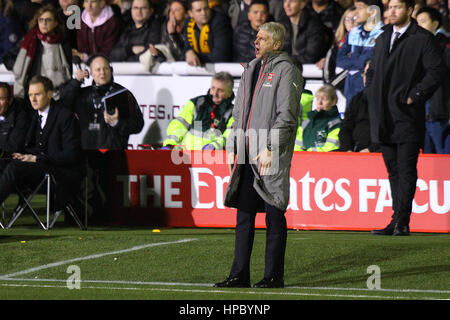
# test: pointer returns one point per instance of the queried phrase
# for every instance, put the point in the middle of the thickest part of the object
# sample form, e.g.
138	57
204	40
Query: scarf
26	56
29	42
204	36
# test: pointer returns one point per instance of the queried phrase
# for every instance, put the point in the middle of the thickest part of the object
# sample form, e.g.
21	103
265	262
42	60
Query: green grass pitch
183	263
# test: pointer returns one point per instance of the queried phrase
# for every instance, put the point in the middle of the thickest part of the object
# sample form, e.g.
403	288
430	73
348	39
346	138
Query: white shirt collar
44	115
402	30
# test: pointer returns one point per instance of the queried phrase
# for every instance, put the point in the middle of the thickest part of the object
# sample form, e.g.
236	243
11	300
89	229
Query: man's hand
24	157
153	50
409	101
264	162
192	58
75	52
171	23
230	161
137	49
111	119
81	74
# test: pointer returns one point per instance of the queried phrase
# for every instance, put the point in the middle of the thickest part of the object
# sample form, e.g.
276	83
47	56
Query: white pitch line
373	290
94	256
227	292
185	284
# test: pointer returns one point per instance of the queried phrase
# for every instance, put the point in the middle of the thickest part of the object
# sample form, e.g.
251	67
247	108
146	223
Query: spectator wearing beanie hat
359	44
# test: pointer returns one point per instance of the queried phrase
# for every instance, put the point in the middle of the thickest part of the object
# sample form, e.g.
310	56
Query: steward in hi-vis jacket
204	122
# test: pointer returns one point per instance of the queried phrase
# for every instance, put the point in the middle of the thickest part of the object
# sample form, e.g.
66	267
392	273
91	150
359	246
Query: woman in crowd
43	51
328	64
320	132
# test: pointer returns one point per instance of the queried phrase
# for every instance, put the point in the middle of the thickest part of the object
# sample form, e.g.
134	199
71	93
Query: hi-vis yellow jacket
195	129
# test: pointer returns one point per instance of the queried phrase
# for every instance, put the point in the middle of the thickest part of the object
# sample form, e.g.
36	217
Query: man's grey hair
276	31
224	77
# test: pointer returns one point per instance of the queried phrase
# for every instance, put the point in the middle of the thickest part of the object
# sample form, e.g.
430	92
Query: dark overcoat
413	68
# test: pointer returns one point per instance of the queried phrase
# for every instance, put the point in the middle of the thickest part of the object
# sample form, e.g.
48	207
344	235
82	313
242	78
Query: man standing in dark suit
52	145
406	69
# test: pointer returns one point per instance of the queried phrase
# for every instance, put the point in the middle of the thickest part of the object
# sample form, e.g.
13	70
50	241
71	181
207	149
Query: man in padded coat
259	152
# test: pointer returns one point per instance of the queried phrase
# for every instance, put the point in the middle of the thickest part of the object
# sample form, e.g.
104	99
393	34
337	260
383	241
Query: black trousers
401	164
17	175
276	232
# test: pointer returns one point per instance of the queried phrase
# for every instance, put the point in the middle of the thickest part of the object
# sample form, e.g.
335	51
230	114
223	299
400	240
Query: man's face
293	7
257	15
399	14
362	12
140	11
94	7
100	71
5	101
219	91
38	97
66	3
425	22
200	12
431	3
264	44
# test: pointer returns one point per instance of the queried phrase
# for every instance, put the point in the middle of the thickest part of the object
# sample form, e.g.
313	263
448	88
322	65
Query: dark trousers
276	232
401	164
18	175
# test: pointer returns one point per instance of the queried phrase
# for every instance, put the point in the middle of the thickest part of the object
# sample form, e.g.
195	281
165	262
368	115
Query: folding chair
3	216
26	203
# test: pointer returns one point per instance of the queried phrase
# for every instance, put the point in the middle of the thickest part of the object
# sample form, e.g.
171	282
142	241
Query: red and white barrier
329	191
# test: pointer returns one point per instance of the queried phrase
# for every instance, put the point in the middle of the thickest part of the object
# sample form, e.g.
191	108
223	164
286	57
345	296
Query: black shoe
388	231
269	283
401	230
233	282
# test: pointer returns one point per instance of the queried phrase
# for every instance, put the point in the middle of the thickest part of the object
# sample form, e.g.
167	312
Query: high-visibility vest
185	133
322	132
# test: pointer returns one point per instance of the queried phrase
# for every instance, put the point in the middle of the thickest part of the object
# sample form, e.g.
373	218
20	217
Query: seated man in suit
14	122
52	145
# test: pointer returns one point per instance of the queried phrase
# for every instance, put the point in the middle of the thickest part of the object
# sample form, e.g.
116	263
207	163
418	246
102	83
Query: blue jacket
357	48
11	33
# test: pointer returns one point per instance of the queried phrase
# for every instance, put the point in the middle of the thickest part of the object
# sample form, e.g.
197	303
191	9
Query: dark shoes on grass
392	230
236	282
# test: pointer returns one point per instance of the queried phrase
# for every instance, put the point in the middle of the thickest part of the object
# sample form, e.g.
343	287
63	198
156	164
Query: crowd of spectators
45	36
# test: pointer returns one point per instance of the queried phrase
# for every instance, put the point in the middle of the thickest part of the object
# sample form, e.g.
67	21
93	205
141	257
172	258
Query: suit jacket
13	128
58	149
60	143
414	68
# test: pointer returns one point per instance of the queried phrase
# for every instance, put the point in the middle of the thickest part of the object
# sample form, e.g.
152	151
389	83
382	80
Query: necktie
396	35
40	121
